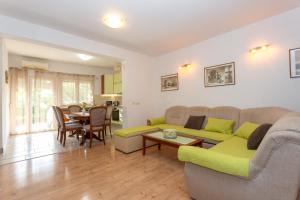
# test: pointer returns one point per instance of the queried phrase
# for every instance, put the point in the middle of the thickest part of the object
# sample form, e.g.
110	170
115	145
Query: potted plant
84	106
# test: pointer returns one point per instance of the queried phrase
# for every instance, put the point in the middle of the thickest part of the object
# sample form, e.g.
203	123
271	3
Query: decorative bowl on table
169	133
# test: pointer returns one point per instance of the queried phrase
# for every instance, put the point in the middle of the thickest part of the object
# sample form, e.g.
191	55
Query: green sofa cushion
126	132
235	146
205	134
156	121
199	133
219	125
215	160
168	126
246	129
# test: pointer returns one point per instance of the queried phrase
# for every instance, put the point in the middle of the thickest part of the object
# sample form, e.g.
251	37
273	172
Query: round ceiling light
114	21
84	56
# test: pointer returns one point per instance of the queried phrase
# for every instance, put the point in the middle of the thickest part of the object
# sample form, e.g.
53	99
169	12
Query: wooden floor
97	173
27	146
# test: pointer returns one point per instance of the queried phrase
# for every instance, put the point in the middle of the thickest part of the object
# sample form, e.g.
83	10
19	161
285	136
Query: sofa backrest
178	115
226	112
262	115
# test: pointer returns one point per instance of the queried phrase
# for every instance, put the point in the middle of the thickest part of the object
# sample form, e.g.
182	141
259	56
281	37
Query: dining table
83	118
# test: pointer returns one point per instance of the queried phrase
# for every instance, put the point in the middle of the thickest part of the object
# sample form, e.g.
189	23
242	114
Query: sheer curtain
32	93
75	89
43	96
19	100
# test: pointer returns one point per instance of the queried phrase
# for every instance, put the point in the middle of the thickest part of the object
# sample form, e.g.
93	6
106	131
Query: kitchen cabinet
107	84
118	88
111	83
118	82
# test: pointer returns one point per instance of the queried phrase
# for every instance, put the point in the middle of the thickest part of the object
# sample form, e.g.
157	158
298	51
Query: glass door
42	98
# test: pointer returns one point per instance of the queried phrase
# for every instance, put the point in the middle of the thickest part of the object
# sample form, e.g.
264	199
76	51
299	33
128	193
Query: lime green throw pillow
219	125
246	129
156	121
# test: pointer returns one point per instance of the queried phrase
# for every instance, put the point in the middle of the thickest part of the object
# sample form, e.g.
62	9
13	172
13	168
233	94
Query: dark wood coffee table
182	139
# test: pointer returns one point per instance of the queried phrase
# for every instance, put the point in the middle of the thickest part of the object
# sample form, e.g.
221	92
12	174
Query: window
76	92
68	92
42	97
85	92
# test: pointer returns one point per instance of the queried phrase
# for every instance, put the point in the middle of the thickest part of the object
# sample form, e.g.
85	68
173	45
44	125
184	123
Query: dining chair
66	120
57	120
97	123
108	119
65	127
74	108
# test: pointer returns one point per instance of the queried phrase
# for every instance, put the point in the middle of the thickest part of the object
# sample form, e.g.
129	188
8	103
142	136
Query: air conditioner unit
34	65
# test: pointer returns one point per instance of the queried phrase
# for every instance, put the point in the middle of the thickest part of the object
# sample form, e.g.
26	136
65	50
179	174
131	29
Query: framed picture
219	75
6	77
295	63
169	82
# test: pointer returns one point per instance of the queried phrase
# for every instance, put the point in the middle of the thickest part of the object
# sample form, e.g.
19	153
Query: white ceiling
51	53
154	27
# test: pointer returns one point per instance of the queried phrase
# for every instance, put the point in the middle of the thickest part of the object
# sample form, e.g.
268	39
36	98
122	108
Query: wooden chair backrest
97	116
56	116
109	112
60	116
74	108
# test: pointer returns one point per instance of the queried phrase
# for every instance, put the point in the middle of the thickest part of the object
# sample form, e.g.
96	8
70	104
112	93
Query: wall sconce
185	66
260	48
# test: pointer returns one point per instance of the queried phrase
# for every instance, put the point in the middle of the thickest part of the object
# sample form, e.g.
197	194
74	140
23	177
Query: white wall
56	66
137	67
136	74
261	80
4	101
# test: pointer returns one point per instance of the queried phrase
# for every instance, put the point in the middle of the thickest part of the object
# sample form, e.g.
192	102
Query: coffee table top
180	140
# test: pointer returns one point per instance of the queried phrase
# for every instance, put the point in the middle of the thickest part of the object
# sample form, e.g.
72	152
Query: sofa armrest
215	160
156	121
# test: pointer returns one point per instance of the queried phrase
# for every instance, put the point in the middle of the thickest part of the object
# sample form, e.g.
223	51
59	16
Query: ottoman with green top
129	140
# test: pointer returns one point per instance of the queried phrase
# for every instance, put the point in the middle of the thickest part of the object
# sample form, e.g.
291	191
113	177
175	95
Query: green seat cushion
156	121
246	129
235	146
168	126
126	132
219	125
214	160
205	134
199	133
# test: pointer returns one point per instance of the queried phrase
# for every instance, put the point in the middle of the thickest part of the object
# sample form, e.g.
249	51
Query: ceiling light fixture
84	56
114	21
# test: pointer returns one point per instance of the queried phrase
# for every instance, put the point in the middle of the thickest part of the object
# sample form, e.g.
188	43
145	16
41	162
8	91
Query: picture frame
219	75
294	57
169	82
6	76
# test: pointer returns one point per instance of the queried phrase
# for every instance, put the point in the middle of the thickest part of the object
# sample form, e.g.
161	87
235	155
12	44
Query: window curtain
19	100
75	89
32	93
43	95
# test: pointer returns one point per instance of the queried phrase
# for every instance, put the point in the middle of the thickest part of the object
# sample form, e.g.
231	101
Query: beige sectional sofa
229	170
129	139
